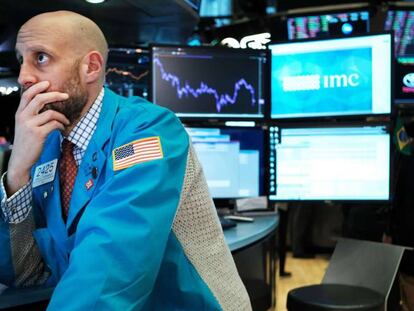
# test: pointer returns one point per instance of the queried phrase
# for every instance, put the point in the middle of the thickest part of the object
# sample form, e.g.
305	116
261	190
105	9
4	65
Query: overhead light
95	1
240	123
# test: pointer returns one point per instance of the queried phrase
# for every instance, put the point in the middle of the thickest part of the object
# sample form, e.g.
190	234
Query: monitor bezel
230	201
337	117
294	125
266	82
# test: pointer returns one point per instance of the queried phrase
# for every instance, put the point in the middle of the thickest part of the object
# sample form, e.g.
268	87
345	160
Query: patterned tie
67	170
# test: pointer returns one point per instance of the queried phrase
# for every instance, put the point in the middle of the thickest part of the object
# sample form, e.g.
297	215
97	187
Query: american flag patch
138	151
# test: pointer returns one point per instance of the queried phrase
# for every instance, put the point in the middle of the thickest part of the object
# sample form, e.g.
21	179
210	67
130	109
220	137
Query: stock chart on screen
127	71
209	82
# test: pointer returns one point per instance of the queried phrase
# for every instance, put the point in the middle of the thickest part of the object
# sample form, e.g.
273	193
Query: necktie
67	170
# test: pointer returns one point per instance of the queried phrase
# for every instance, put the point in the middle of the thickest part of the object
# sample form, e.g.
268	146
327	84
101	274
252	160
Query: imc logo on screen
316	82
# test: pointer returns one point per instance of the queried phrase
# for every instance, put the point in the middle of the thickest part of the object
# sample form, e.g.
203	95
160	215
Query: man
139	230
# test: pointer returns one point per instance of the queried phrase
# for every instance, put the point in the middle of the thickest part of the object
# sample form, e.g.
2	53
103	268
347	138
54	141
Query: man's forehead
36	36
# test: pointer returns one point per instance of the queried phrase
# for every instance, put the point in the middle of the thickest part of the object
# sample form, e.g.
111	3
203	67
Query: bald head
79	33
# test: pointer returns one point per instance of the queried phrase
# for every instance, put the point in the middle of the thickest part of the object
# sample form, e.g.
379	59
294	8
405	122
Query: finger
48	116
51	126
31	92
40	100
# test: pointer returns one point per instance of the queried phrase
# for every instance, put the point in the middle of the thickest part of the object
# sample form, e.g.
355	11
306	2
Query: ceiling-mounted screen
328	25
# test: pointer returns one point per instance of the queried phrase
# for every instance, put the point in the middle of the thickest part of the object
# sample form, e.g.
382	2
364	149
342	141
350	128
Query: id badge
44	173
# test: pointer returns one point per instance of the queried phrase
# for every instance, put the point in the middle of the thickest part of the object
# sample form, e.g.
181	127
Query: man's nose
26	76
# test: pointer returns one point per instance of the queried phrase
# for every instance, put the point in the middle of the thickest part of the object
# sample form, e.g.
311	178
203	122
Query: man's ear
92	66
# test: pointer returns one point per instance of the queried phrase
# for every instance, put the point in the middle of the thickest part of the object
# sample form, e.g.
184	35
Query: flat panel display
127	71
199	82
335	77
349	163
232	160
404	84
328	25
216	8
401	23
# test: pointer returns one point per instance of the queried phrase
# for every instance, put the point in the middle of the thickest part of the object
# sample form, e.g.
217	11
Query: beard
78	96
73	106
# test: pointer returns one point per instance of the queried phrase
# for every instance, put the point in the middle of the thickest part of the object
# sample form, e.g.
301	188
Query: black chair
336	297
360	276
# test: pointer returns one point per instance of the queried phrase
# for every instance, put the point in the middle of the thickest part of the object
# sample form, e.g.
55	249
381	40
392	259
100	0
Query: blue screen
325	75
232	160
216	8
337	77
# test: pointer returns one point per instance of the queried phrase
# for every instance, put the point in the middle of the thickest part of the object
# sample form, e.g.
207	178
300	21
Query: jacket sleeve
21	264
123	233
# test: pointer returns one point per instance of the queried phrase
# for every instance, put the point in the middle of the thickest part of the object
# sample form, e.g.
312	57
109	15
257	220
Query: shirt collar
82	133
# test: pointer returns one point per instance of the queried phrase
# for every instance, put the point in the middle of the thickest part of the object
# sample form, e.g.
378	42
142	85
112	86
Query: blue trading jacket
142	237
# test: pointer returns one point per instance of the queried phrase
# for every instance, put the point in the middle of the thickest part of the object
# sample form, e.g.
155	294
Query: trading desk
251	243
253	246
248	233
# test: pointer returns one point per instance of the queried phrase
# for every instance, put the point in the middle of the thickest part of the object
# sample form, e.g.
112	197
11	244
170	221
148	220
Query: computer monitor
401	22
320	163
233	160
209	82
328	25
216	8
331	78
127	71
404	84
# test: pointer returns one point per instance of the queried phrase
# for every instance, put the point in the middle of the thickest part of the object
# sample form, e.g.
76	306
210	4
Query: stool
334	297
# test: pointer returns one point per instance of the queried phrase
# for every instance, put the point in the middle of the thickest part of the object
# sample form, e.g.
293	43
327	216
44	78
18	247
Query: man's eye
42	58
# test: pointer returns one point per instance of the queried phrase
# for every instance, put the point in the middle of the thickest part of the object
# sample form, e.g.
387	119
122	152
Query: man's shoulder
140	110
136	117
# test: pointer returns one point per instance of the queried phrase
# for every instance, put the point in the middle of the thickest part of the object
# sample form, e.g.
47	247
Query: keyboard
227	223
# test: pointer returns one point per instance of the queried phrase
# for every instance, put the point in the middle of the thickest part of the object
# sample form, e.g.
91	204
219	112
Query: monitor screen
232	160
216	8
401	22
404	84
199	82
326	163
334	24
127	71
335	77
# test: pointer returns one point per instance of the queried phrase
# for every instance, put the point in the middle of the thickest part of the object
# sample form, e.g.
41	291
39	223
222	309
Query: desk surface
244	234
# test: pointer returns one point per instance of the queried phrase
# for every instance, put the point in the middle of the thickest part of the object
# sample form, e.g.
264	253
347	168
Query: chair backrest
363	263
